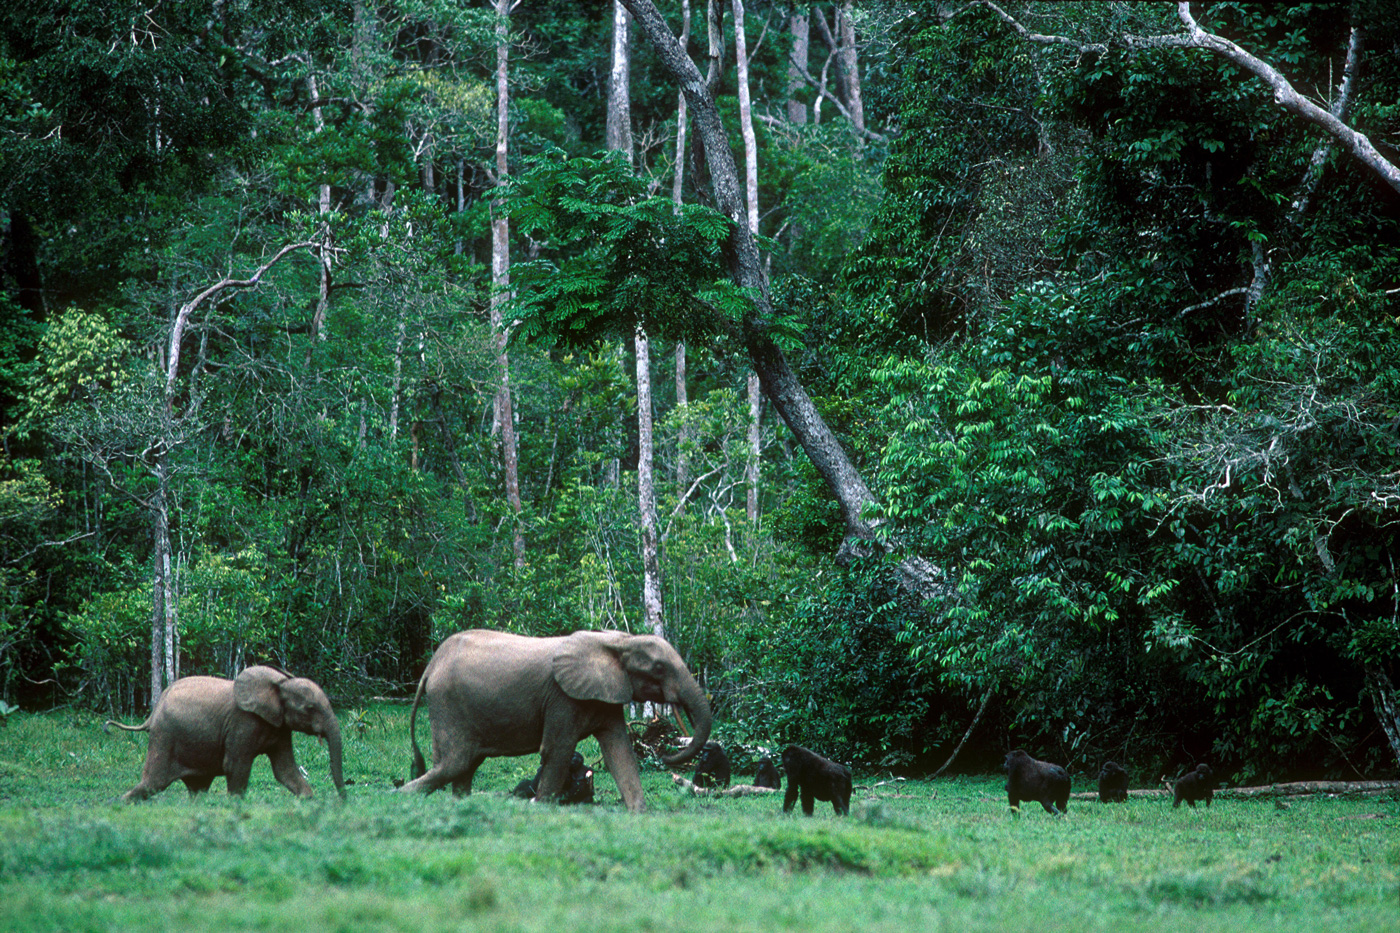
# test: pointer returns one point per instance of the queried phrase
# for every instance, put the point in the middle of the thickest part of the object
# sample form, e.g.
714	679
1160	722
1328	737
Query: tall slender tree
677	190
619	139
753	468
504	409
780	383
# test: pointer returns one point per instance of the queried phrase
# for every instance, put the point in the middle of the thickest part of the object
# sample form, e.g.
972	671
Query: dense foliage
1109	353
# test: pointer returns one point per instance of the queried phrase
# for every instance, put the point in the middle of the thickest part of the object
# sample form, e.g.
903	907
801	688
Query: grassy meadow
912	856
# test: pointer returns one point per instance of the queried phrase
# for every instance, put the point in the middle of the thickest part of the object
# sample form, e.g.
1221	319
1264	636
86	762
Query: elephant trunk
332	736
689	697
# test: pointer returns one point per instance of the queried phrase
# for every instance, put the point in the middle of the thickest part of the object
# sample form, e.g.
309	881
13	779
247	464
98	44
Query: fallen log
735	790
1270	791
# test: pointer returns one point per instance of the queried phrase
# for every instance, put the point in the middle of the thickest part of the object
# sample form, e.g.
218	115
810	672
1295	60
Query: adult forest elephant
207	726
496	694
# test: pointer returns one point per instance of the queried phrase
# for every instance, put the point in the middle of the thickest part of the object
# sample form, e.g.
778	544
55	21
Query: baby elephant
204	727
1029	779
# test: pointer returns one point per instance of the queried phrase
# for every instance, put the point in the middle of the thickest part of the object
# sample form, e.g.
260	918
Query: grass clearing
935	855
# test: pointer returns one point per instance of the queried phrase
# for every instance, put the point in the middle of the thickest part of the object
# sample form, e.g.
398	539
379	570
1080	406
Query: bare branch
820	88
1210	302
177	329
1285	95
1024	33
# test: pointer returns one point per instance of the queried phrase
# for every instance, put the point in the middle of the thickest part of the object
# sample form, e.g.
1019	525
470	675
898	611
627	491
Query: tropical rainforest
1042	390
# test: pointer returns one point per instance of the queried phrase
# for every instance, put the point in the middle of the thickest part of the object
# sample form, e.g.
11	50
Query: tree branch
177	329
820	88
1285	95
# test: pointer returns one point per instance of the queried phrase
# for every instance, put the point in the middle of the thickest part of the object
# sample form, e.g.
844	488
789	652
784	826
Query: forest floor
912	856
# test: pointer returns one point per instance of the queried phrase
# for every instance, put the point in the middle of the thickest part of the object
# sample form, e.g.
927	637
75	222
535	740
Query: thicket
1164	511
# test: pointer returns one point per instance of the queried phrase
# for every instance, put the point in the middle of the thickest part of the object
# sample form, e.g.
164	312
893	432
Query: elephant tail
419	766
144	727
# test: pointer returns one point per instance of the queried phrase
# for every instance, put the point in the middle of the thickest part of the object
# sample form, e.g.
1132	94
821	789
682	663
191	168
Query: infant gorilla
578	789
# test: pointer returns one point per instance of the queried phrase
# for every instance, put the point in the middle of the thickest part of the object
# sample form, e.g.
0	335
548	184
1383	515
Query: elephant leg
157	773
198	783
621	763
555	762
237	770
462	785
284	768
457	768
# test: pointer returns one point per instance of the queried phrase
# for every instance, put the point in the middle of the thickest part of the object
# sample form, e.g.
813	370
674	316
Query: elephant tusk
681	722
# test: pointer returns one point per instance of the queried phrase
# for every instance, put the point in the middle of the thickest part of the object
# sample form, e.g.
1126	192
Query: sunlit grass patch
912	856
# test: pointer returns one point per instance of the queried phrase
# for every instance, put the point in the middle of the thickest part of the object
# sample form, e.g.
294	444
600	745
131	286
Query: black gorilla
578	788
815	778
1113	783
712	766
767	774
1030	779
1195	785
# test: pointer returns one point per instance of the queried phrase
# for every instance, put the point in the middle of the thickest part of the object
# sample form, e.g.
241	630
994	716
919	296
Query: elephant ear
587	668
255	691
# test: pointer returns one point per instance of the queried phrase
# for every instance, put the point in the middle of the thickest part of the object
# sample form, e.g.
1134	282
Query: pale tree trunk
752	470
619	116
164	609
746	270
165	615
677	192
323	207
396	389
503	409
850	65
646	493
619	139
800	28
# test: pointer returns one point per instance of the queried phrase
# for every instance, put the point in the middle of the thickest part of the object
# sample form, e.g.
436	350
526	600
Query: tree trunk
619	139
677	191
165	608
741	60
1382	691
159	592
646	493
503	408
323	207
800	28
850	66
779	382
619	116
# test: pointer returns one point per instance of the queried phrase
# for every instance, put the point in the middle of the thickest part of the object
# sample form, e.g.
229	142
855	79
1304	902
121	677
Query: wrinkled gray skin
204	727
493	694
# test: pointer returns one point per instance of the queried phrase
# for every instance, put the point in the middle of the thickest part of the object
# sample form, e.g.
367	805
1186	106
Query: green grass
936	855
